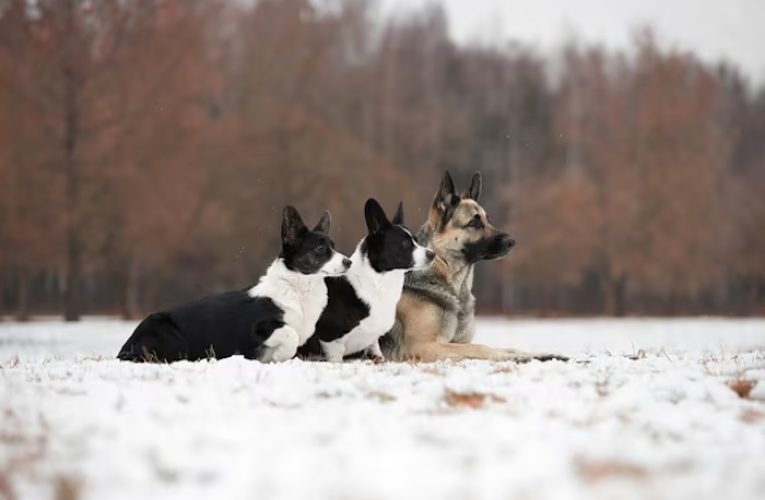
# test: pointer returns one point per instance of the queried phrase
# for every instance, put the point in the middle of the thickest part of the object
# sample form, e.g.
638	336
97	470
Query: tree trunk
614	293
130	303
22	308
506	301
2	298
71	135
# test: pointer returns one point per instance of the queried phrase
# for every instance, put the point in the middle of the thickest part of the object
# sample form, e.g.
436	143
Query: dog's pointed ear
292	226
474	191
446	191
446	199
398	219
375	216
323	225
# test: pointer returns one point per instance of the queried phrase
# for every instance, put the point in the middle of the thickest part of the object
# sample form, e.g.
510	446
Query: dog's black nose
505	241
347	263
430	255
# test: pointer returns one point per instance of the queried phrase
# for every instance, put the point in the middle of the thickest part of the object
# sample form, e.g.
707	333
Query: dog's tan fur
435	316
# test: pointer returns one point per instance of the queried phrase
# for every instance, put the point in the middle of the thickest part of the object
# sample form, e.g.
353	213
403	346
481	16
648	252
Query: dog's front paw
376	359
525	357
513	355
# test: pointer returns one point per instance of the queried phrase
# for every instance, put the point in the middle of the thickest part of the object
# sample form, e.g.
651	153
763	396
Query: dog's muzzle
500	246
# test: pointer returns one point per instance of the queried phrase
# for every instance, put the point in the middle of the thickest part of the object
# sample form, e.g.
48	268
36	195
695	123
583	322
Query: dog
435	316
268	321
362	303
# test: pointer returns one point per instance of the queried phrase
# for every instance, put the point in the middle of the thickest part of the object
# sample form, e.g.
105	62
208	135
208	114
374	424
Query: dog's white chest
382	297
301	298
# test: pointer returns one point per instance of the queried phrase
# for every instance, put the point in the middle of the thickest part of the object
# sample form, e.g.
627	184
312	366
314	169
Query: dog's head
389	245
310	251
458	227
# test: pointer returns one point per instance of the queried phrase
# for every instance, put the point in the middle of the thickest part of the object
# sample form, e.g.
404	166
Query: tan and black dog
435	315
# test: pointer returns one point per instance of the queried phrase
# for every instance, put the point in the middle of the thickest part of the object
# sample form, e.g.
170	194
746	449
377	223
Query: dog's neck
458	272
278	276
363	275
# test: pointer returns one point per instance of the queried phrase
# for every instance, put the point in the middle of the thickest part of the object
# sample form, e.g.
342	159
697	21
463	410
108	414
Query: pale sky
734	29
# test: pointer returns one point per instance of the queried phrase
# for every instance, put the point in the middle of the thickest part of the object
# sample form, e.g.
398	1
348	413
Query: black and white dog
362	303
267	322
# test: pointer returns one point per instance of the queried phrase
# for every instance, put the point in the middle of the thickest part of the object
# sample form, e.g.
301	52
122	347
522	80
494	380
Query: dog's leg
436	351
418	329
281	345
375	353
333	351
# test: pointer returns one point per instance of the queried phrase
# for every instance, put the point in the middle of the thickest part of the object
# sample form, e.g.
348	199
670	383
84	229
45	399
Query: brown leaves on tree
147	148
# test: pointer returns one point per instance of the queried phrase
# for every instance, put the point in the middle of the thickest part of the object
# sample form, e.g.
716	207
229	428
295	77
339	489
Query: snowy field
655	409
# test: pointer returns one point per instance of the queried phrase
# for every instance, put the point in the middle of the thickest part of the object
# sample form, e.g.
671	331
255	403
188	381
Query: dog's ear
398	219
446	199
474	191
375	216
292	226
446	191
323	225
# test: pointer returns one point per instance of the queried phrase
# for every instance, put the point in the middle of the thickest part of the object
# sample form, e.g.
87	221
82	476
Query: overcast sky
734	29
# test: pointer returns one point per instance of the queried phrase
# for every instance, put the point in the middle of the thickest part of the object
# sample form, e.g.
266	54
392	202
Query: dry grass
6	488
637	354
431	370
474	400
752	416
742	387
382	397
67	488
505	369
598	470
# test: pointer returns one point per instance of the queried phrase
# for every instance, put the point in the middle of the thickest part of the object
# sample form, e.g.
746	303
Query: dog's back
155	334
217	326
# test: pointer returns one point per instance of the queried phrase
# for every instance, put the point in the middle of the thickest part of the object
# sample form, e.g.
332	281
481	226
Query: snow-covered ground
645	410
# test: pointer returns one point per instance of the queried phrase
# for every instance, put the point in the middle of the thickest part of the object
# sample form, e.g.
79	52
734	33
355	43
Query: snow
645	410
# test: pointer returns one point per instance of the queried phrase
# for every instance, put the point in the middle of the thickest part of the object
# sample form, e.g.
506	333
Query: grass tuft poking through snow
474	400
660	409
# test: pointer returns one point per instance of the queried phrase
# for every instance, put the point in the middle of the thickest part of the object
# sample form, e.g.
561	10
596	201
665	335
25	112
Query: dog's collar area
362	269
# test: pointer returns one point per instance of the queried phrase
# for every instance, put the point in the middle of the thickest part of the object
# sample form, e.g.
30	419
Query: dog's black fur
388	246
233	322
218	326
344	311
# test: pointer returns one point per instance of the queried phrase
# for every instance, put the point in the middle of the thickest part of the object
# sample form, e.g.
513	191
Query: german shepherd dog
435	315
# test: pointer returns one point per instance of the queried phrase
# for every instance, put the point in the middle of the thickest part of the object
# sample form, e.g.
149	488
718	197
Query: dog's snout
347	263
505	241
430	255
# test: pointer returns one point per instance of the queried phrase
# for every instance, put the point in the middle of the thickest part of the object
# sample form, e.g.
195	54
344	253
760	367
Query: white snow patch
665	425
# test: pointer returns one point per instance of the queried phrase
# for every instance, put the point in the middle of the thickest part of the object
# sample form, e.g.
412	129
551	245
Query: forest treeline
147	148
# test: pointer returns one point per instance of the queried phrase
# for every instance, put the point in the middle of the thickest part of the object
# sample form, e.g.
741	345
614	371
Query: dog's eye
476	222
406	243
320	249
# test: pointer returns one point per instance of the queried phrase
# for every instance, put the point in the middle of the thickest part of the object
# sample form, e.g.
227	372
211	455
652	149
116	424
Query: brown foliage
146	150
